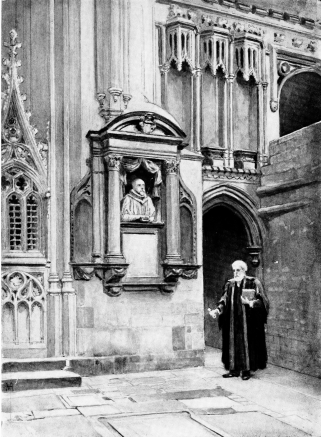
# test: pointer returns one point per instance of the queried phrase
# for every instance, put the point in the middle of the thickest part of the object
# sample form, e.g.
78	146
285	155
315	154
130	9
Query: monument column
172	211
98	210
114	254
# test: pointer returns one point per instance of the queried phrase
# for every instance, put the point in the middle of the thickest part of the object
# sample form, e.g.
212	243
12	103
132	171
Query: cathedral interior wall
75	58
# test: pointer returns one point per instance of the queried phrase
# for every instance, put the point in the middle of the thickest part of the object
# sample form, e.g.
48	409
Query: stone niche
134	240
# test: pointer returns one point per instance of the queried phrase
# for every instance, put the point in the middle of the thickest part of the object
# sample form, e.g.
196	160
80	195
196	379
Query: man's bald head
139	186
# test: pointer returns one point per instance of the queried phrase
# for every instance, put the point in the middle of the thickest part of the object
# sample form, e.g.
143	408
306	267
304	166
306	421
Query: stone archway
230	226
300	100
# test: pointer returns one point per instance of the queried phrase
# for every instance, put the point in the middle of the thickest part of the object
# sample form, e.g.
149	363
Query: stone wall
140	331
290	204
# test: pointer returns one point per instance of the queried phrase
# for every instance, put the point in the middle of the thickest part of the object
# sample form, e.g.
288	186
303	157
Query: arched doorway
224	240
300	102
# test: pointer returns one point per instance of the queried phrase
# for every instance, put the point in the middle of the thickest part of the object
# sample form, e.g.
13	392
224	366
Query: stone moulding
276	210
212	172
272	13
271	190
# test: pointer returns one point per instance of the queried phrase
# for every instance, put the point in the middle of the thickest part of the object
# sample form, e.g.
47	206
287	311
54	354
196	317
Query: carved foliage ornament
171	166
114	162
18	135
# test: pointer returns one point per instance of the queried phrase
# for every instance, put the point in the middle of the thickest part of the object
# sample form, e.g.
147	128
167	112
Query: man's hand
245	300
213	313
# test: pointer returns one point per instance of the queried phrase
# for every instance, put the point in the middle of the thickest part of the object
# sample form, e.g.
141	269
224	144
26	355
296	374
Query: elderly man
242	311
137	205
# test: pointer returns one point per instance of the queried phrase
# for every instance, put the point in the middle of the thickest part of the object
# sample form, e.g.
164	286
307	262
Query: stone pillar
98	184
265	108
172	212
216	127
265	104
274	104
68	292
197	73
230	82
225	118
114	254
230	133
54	328
260	130
68	318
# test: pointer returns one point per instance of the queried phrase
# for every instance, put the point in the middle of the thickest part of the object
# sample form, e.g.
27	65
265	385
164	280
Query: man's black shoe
246	376
230	375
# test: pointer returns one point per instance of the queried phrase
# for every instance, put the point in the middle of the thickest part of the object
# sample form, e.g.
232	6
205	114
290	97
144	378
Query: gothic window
22	213
32	222
14	222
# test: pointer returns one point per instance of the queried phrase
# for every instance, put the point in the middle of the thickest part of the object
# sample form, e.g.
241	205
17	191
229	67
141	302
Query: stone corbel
172	272
113	276
213	156
110	107
83	273
254	252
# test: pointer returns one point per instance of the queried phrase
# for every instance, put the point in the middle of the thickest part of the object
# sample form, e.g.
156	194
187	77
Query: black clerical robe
243	327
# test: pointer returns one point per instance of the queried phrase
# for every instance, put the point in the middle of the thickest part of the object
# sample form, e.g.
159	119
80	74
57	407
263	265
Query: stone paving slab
17	417
180	395
209	403
169	425
111	395
55	413
26	393
101	410
254	425
148	381
279	399
70	426
310	428
29	403
137	408
85	400
298	382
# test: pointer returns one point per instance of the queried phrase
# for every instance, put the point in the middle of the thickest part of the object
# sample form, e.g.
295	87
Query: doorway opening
224	240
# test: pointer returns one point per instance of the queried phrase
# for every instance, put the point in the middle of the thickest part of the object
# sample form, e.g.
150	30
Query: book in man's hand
249	293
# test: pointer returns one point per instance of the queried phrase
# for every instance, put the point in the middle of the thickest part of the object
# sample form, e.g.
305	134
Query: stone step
32	364
18	381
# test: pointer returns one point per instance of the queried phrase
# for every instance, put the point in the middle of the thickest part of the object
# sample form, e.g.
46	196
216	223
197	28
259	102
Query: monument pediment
142	126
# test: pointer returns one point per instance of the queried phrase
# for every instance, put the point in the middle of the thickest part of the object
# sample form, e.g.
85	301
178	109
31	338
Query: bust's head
139	186
239	269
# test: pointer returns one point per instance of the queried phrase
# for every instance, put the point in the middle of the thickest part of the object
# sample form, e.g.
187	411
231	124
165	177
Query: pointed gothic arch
241	204
299	99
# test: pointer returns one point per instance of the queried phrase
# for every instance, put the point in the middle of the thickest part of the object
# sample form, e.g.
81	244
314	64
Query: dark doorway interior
224	241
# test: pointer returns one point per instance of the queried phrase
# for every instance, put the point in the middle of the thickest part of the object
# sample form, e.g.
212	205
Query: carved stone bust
137	205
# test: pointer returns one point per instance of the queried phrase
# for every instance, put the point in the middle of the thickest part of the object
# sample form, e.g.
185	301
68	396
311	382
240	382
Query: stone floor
192	402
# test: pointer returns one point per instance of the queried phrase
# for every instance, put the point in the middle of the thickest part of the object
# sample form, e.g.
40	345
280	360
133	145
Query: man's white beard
142	194
239	278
